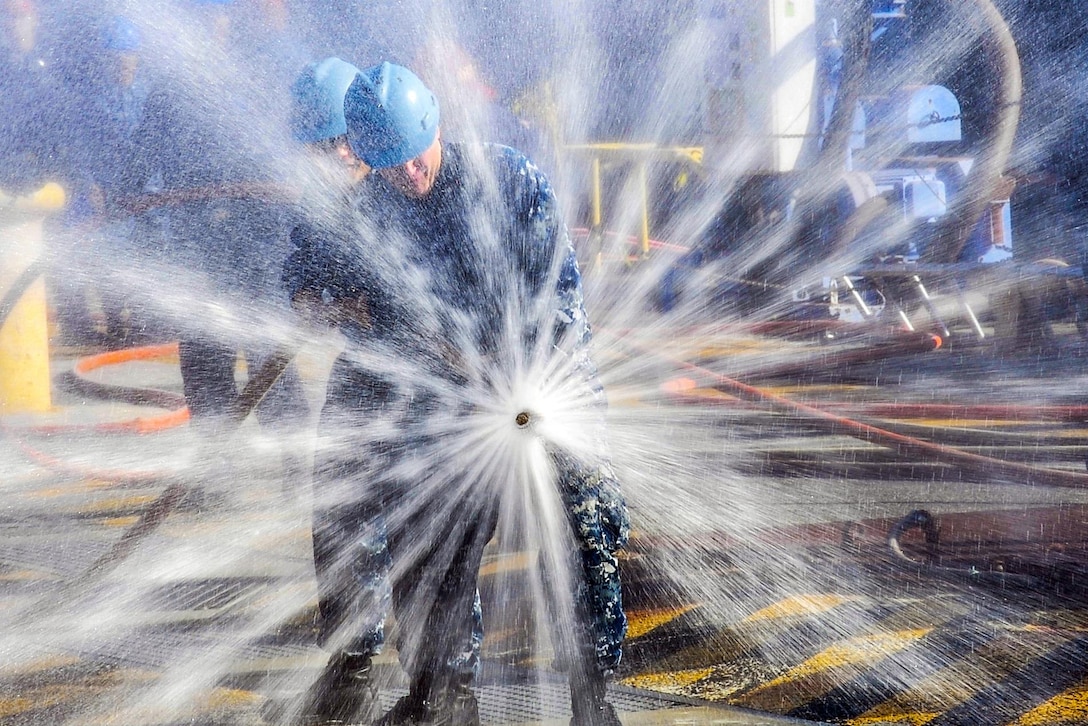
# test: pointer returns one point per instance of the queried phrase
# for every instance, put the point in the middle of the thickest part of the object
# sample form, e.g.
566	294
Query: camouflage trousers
370	561
599	524
358	587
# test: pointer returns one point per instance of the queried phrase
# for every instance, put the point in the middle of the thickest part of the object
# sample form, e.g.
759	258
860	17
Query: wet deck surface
982	622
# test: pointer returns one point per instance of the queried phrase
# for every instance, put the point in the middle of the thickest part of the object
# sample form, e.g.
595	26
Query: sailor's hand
357	311
310	308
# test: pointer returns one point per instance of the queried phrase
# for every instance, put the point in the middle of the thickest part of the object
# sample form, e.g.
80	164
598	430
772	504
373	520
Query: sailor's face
415	178
339	153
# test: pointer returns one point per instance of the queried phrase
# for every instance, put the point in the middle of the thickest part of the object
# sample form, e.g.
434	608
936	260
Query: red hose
900	444
906	344
1002	412
54	464
260	191
898	410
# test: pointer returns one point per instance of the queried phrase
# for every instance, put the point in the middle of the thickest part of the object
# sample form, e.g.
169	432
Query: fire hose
1032	580
176	490
168	500
159	509
898	443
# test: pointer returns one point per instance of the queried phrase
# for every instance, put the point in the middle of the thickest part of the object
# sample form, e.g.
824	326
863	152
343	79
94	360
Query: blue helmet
121	35
317	100
391	116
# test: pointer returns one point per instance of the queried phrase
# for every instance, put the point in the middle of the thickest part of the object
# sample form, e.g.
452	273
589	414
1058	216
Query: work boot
457	705
343	694
587	700
452	705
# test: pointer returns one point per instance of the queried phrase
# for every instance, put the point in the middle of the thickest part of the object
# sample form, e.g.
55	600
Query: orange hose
127	355
140	425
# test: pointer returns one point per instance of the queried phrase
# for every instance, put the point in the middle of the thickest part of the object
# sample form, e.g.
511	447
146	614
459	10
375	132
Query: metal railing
641	155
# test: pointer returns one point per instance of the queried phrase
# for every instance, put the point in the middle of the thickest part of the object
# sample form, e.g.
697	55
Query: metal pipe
985	182
921	519
865	310
927	302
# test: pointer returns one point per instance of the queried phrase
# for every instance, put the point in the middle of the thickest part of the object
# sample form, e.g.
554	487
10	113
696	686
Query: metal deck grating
207	594
520	703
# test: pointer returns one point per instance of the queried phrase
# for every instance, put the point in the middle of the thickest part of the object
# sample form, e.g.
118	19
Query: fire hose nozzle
522	419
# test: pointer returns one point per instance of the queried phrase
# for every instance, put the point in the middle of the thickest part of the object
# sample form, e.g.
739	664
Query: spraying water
760	229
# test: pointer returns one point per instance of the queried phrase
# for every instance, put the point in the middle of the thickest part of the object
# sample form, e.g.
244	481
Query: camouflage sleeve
322	265
304	269
571	334
546	245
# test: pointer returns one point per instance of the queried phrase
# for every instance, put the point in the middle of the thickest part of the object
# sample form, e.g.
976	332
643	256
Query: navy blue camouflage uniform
420	276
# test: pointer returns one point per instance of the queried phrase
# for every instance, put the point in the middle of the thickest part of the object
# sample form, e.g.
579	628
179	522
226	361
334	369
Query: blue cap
391	116
317	100
121	35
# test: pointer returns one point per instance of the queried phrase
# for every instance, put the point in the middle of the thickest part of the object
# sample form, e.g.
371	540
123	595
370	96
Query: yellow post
642	155
596	233
24	333
644	188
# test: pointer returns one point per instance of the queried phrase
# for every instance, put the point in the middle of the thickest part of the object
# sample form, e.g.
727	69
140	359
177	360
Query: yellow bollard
24	334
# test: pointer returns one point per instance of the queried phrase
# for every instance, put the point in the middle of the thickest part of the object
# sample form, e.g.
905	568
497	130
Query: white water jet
686	469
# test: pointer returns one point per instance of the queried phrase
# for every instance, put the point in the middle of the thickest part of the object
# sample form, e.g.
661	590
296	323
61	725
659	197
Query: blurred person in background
267	39
105	241
34	102
216	19
212	142
36	112
481	113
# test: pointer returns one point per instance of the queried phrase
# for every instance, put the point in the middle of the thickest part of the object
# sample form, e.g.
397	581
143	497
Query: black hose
74	383
923	520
